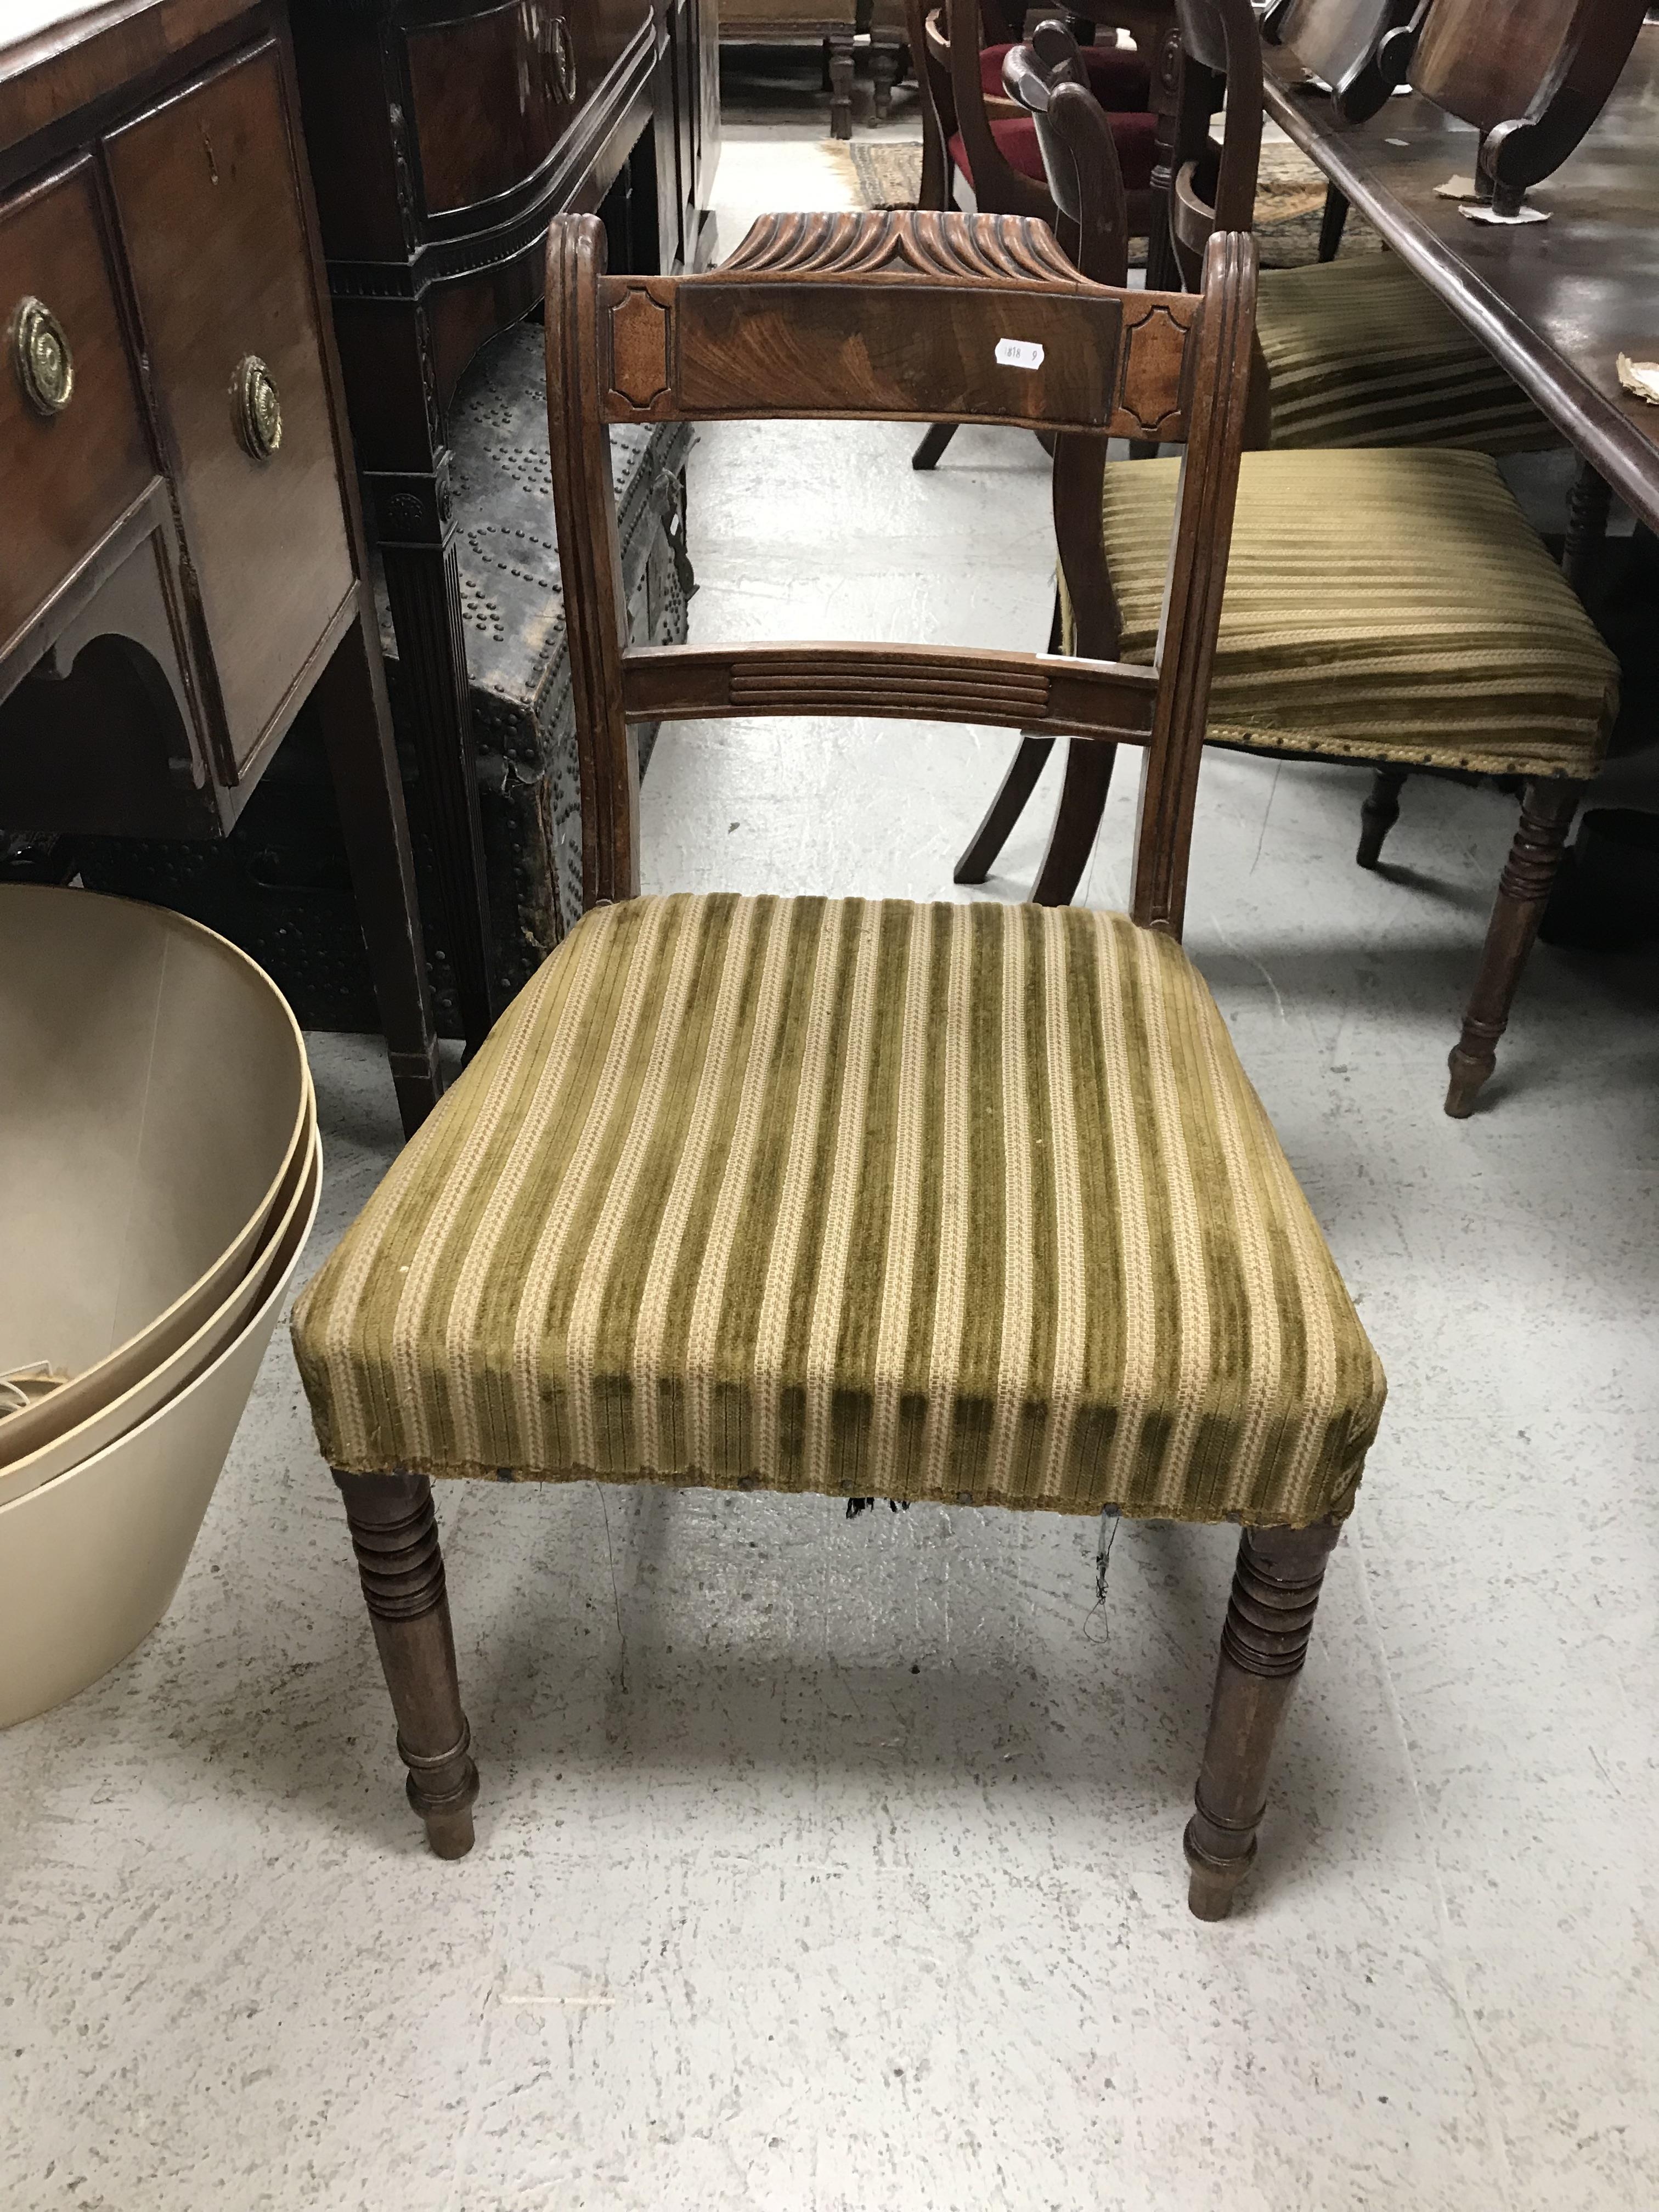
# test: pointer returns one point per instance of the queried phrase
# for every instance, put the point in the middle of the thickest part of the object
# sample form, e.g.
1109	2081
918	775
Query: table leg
1588	507
841	84
1332	223
884	76
362	759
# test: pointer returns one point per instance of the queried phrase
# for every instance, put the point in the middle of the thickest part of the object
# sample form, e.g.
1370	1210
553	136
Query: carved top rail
897	317
910	316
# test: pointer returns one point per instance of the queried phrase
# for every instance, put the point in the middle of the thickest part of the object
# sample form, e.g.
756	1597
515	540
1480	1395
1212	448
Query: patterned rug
1289	202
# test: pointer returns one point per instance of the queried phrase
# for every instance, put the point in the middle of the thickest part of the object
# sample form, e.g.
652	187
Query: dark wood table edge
1609	434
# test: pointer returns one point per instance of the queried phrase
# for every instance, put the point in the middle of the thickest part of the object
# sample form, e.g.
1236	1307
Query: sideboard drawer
493	89
491	92
211	215
75	461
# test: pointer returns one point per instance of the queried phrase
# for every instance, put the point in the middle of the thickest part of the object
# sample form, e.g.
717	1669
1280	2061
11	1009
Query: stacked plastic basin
159	1177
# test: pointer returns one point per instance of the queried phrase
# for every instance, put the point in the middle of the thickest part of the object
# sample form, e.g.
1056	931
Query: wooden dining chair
1387	607
970	130
1353	353
971	1204
1090	224
1530	79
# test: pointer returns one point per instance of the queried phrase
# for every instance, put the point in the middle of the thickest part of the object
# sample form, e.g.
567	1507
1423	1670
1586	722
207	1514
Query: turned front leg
394	1533
1523	889
1270	1617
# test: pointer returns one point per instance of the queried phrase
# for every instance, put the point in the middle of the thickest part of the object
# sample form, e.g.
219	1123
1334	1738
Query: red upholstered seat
1016	137
1118	76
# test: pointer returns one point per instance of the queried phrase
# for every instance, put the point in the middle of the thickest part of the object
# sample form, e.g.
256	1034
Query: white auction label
1018	353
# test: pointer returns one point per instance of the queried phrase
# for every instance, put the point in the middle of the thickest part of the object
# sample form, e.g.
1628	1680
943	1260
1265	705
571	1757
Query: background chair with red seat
970	130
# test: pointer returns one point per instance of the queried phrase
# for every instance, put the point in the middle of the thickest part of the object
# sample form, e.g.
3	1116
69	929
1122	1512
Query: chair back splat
1214	187
909	318
1085	181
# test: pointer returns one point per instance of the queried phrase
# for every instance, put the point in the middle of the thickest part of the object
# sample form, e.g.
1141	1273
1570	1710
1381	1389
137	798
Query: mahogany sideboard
443	136
182	565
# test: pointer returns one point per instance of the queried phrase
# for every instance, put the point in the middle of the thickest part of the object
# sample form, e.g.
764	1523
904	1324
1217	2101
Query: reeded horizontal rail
1047	692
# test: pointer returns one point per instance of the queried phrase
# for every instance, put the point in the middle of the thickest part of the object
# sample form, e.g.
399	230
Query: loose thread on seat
1111	1519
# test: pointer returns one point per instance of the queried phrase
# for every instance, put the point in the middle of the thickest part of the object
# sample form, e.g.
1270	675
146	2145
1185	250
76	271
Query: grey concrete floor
836	1865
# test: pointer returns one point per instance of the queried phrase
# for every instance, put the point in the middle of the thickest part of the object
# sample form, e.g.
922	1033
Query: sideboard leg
363	758
423	585
884	76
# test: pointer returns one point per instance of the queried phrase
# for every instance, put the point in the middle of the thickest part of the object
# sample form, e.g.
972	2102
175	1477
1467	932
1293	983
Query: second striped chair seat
1359	352
1391	606
1394	608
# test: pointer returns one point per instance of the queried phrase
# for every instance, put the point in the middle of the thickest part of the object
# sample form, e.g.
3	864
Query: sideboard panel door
210	204
75	453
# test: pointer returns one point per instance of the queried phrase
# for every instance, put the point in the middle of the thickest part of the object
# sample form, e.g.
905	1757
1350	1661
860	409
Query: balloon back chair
969	1203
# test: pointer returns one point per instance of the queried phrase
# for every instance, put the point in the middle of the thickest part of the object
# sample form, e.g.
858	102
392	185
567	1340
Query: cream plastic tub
167	1378
88	1564
154	1101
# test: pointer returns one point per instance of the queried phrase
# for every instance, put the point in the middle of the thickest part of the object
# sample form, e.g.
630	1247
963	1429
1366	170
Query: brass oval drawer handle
41	356
256	408
565	60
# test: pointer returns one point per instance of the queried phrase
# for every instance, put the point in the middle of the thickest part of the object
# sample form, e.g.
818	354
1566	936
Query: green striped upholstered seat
1363	354
970	1203
1392	606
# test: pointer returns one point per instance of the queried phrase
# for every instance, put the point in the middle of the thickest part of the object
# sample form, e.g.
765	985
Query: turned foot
1270	1617
1523	889
394	1533
1379	814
